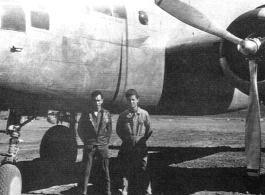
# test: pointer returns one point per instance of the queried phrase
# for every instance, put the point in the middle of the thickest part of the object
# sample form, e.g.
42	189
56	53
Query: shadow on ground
165	178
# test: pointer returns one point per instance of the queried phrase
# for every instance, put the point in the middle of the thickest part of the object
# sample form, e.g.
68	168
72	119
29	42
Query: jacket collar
91	111
130	114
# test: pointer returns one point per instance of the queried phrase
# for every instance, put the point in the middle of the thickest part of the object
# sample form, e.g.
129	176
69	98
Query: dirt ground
187	155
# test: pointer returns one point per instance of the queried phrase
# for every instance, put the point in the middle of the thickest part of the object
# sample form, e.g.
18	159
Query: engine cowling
234	64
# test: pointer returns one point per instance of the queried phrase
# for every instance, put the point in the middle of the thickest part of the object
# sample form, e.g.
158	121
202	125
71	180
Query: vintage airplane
53	54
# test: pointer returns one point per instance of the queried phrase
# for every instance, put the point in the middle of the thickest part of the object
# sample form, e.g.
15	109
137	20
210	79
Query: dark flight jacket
95	130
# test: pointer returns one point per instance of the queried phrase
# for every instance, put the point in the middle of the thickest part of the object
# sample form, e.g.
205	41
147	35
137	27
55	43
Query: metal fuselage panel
164	60
83	52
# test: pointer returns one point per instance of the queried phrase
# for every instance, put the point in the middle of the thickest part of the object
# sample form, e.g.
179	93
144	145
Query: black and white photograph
132	97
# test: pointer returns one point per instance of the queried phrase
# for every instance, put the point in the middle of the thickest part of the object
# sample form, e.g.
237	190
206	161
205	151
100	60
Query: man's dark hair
131	92
94	94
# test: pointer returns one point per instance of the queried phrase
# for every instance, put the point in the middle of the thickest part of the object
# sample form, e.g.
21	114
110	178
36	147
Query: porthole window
143	18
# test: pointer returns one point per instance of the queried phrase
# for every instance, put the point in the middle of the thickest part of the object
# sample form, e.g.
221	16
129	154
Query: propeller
250	49
253	127
195	18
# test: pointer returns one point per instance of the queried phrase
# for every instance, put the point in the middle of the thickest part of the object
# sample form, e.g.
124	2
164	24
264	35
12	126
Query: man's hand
142	140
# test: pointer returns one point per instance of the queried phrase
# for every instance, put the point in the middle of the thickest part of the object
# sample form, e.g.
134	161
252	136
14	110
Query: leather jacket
95	130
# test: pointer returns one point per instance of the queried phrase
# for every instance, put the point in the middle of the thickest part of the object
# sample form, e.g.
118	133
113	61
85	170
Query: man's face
133	101
97	102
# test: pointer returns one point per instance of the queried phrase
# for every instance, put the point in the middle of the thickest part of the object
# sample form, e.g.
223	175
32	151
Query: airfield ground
188	155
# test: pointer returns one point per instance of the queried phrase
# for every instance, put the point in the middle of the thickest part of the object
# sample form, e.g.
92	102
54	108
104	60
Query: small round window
143	18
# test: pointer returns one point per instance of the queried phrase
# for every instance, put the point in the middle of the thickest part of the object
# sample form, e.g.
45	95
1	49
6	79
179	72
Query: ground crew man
133	127
95	130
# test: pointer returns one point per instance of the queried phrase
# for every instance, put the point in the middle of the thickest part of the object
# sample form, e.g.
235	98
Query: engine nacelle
234	64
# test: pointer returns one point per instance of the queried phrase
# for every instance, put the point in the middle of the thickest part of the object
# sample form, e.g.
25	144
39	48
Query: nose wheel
10	180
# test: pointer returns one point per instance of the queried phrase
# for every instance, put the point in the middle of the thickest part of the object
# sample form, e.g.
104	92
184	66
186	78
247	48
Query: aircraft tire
10	180
59	146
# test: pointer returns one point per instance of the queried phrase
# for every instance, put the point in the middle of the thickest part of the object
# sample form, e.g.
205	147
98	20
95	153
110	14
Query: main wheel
59	146
10	180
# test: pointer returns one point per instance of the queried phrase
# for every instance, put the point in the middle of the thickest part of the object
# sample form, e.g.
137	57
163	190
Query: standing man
133	152
95	131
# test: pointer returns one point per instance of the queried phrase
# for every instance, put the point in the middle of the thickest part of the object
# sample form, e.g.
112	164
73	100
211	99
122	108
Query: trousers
98	154
132	170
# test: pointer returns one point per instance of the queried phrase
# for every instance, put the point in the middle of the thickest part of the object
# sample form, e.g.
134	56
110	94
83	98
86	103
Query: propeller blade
253	127
195	18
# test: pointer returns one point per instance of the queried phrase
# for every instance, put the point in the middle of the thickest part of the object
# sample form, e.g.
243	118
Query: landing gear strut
10	176
58	148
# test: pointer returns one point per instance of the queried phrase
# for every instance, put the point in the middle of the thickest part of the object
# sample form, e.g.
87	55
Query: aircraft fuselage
53	55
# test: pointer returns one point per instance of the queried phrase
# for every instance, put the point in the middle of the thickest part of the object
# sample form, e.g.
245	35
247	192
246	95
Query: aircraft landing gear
10	180
10	176
58	148
59	145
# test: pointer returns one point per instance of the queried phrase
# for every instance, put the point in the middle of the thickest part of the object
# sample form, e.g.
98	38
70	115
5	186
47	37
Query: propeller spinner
249	48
